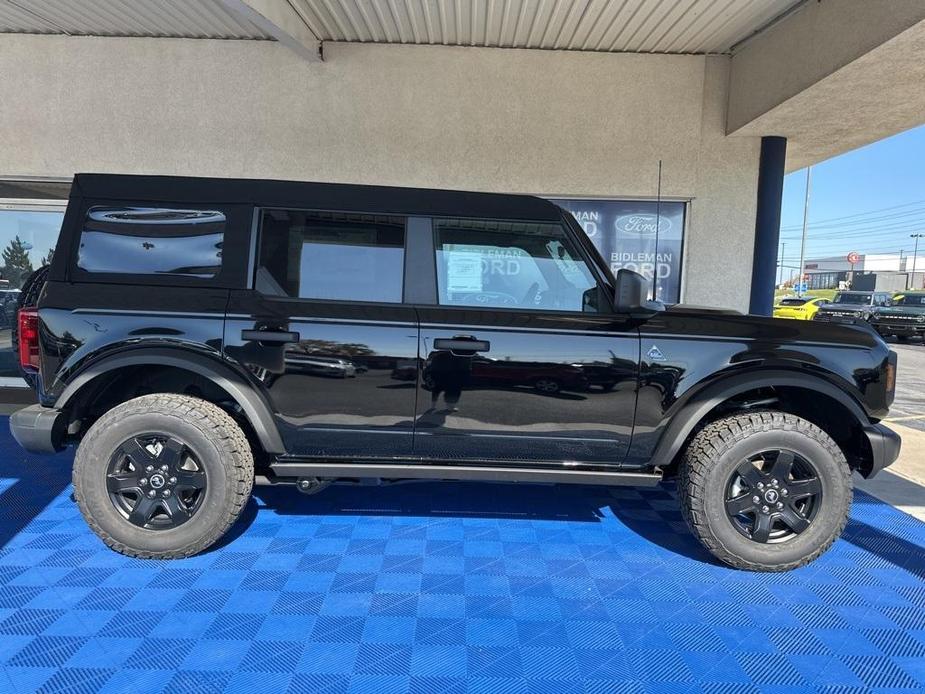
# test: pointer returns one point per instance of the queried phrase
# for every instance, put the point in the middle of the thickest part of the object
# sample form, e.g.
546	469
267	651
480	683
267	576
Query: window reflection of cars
320	366
8	299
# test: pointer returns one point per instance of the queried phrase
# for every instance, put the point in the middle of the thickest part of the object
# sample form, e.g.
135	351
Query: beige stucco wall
543	122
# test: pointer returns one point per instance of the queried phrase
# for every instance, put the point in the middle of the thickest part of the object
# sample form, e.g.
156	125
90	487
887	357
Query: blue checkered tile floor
444	588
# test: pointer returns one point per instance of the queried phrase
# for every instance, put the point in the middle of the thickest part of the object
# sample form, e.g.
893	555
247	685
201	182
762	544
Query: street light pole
809	175
915	254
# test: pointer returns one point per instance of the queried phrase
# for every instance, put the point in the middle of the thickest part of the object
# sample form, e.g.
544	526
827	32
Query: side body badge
655	354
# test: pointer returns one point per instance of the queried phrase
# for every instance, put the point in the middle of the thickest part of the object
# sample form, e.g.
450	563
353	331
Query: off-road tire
715	452
220	447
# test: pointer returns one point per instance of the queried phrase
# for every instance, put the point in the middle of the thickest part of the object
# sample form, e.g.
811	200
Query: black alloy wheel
155	481
764	490
773	496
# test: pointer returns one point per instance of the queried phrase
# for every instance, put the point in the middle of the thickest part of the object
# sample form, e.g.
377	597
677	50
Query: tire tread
710	443
218	425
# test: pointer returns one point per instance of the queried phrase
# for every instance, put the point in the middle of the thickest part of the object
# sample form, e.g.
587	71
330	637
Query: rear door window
331	256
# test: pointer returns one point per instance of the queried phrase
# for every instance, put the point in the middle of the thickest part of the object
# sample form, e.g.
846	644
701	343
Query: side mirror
632	295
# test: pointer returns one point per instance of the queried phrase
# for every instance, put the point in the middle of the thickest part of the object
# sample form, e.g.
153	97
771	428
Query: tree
47	259
16	263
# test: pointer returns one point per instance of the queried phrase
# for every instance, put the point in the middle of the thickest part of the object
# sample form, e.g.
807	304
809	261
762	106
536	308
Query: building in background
882	271
665	128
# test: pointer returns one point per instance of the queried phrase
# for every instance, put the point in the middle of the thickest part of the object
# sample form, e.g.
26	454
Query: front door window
495	264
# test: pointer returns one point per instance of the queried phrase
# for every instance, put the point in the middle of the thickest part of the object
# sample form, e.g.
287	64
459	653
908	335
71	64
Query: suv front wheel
163	476
765	491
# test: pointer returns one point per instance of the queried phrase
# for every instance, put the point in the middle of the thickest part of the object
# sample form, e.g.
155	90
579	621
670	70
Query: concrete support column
767	224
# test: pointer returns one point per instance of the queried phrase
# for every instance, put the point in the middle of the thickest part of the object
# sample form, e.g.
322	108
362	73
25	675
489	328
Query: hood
731	324
694	308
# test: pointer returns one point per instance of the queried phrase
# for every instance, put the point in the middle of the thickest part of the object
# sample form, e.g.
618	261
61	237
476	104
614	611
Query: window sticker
463	270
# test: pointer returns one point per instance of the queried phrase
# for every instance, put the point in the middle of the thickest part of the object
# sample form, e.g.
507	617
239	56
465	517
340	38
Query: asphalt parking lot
909	406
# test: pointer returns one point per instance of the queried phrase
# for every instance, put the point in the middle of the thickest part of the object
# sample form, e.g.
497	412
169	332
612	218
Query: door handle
461	344
276	337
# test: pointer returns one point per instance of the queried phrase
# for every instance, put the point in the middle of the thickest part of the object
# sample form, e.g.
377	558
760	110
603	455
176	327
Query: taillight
890	380
29	339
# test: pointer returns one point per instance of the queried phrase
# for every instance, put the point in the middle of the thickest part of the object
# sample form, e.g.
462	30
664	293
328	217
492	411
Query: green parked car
904	319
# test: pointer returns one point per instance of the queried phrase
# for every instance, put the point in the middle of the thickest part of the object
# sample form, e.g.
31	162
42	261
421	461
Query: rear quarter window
152	241
161	243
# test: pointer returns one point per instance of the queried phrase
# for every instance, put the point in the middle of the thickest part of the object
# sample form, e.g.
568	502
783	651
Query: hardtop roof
326	196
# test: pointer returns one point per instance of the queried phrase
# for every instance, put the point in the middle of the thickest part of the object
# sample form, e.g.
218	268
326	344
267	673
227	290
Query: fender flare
699	404
254	405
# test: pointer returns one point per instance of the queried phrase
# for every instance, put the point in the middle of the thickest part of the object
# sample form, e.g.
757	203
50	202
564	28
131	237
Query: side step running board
489	473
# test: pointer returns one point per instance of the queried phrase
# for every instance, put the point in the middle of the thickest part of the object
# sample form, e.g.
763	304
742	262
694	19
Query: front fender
692	410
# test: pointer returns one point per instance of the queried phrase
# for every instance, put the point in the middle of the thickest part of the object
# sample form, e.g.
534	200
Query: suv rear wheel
765	491
163	476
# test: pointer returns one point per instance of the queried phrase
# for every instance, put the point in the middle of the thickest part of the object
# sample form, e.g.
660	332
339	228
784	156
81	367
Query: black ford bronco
194	337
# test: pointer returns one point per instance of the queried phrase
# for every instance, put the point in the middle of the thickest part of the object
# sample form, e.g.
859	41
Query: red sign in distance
854	257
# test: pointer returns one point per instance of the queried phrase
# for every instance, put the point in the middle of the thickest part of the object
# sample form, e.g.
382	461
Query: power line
869	212
863	231
860	221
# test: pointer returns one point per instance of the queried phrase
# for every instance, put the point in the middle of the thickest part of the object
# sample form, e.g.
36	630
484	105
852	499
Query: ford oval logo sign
641	224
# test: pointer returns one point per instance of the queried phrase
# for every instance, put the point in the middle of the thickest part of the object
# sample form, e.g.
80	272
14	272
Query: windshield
793	302
853	298
910	300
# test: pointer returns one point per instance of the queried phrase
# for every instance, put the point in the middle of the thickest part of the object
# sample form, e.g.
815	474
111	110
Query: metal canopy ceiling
160	18
645	26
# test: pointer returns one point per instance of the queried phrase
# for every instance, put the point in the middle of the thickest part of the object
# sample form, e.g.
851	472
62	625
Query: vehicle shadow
30	484
652	514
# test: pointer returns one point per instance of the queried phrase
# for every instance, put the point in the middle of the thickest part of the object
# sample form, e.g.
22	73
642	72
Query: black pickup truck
473	336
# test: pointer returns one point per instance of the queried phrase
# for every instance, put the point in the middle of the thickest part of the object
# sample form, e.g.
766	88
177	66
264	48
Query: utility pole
809	176
780	264
915	255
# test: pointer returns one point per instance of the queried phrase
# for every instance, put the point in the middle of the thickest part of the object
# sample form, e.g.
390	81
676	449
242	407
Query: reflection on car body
406	370
320	366
548	378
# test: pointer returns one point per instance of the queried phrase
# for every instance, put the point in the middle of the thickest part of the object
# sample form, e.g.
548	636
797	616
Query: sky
868	200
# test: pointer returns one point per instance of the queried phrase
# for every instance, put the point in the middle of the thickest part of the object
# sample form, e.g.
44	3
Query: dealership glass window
331	256
495	264
28	234
640	235
152	241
